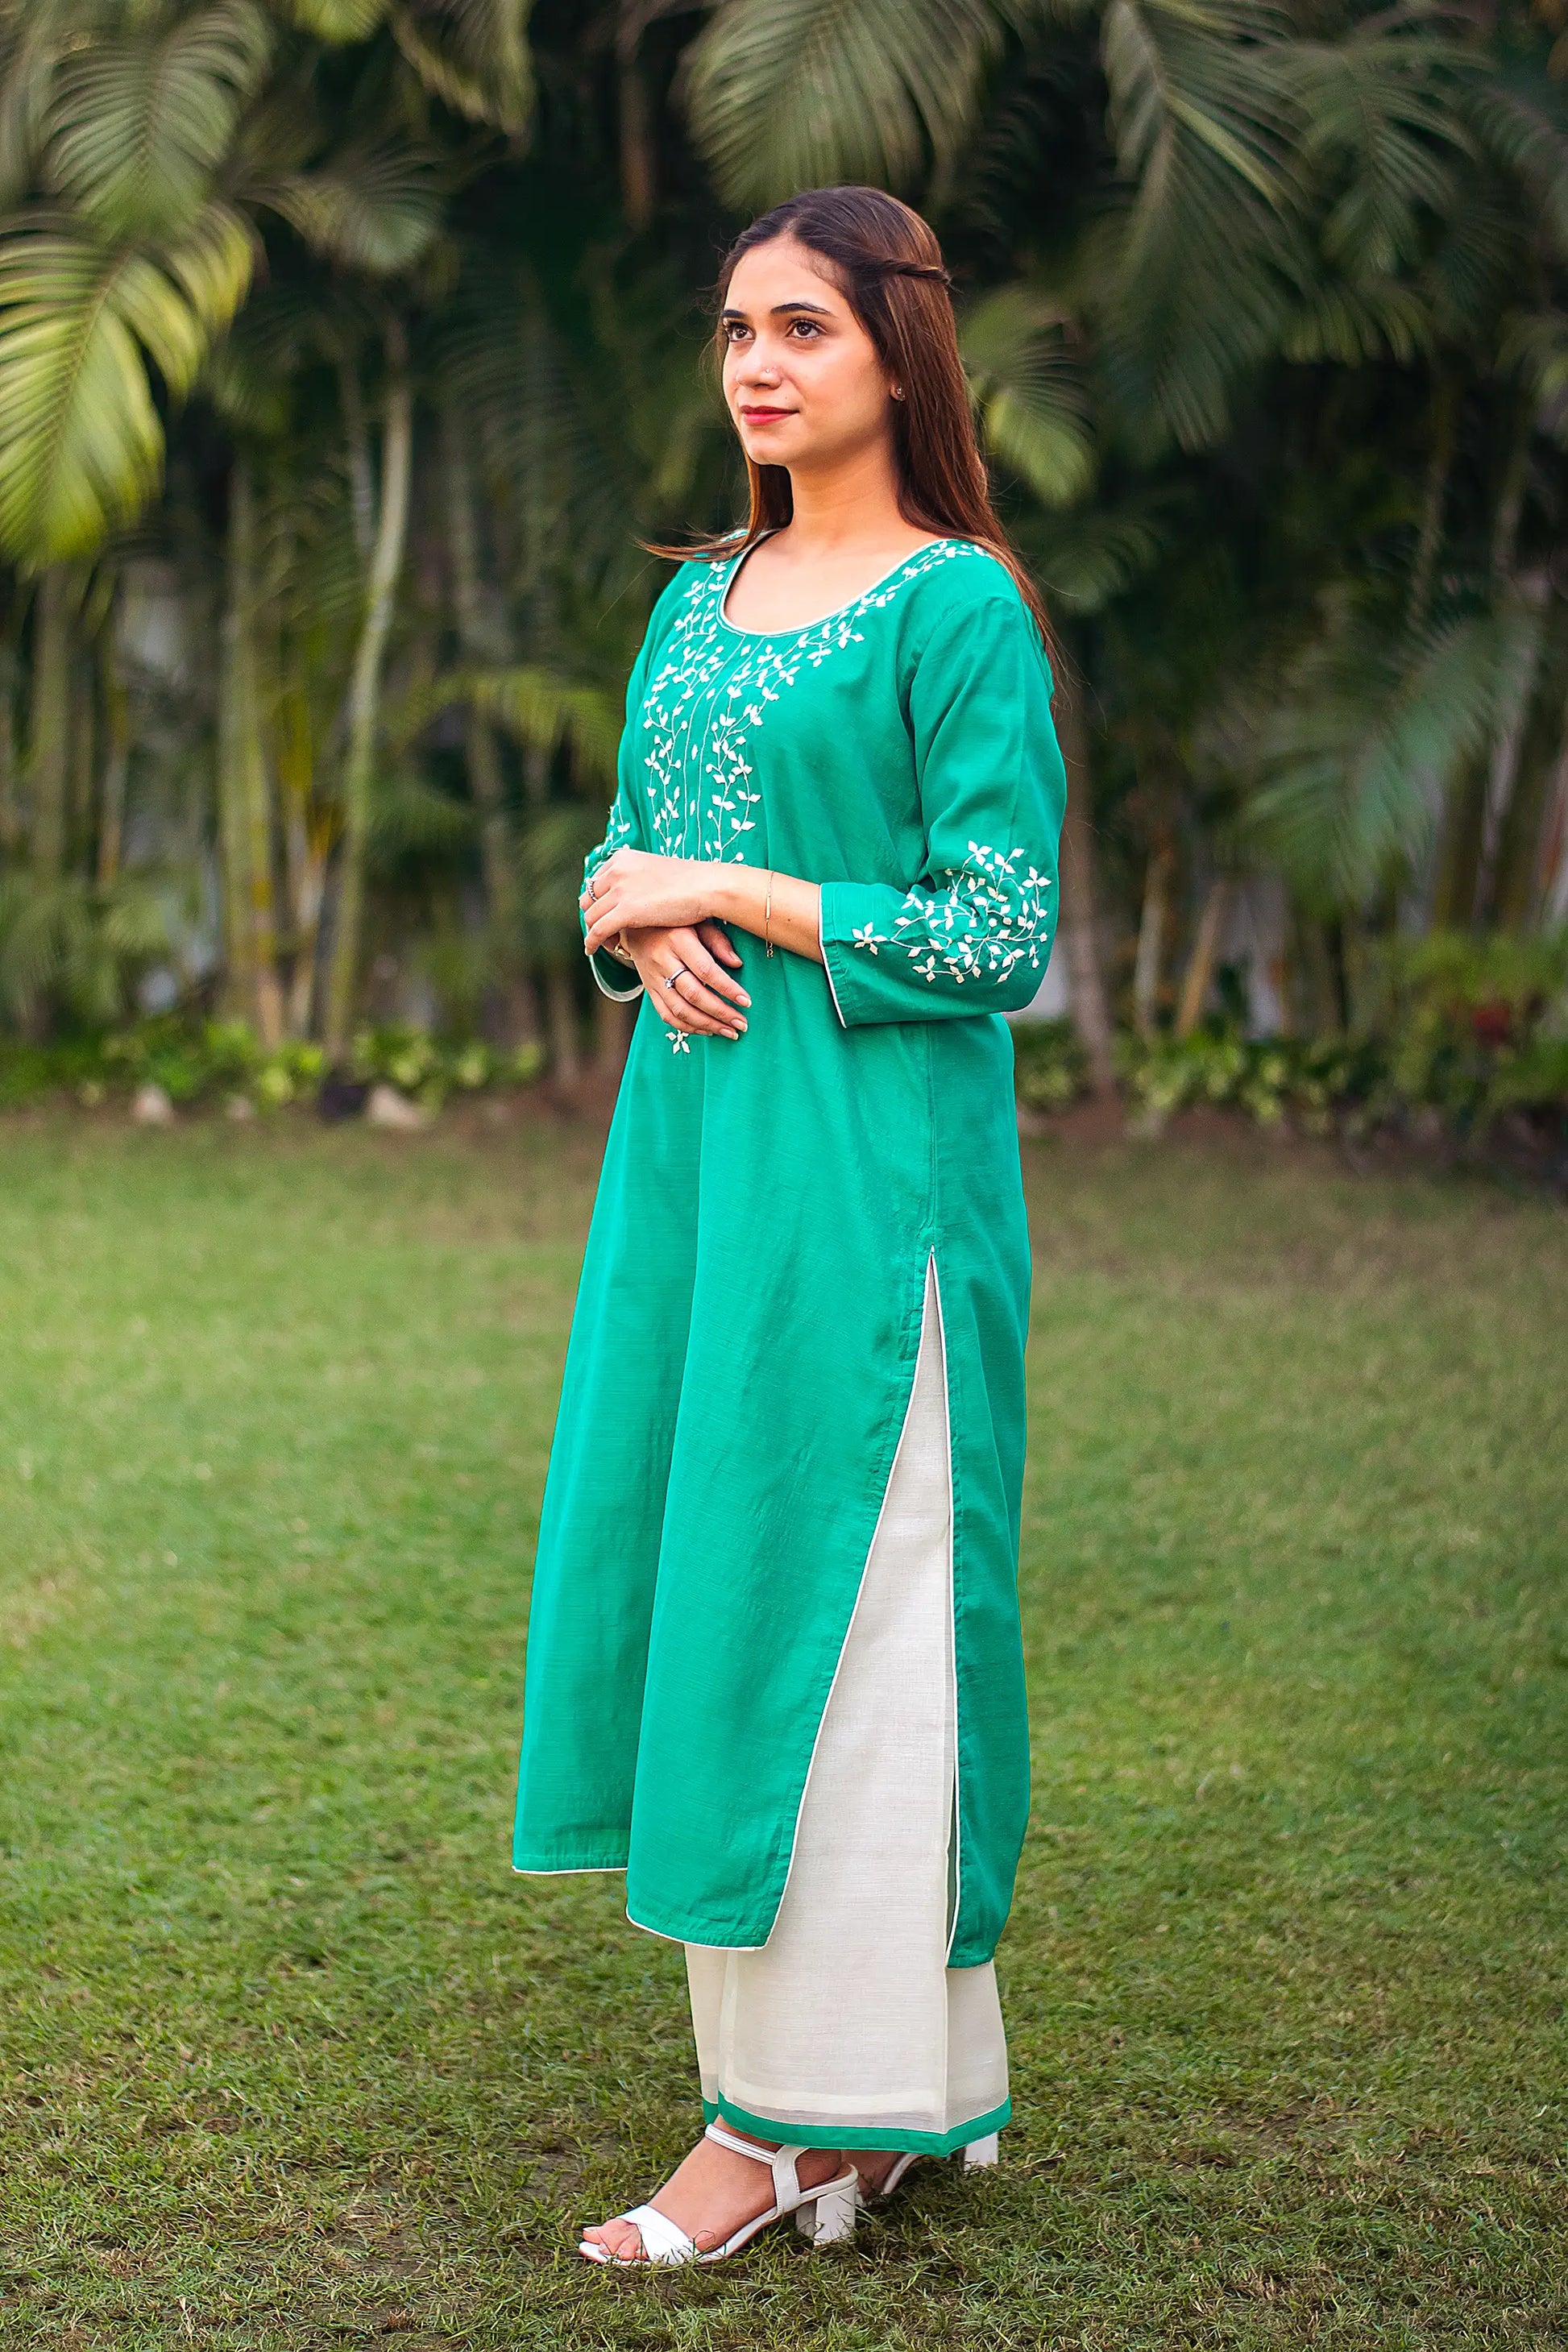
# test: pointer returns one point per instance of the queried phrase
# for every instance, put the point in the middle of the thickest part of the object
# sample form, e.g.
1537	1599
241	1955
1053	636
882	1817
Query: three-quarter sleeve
972	931
623	828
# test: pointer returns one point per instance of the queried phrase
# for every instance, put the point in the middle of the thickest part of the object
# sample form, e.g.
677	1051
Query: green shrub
1049	1068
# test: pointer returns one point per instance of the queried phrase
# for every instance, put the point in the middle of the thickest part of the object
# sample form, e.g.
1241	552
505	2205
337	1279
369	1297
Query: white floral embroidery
711	694
679	1039
987	920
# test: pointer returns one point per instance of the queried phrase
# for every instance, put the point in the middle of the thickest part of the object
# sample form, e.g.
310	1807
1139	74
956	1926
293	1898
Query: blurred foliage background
348	346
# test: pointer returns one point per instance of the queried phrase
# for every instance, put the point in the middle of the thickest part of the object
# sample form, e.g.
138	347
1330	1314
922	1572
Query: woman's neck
851	505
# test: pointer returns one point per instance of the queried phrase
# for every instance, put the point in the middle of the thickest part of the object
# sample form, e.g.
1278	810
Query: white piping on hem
956	1816
666	1938
570	1870
928	1269
822	943
616	995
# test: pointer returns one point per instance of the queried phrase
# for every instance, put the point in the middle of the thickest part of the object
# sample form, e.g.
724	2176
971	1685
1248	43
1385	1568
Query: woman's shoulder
959	574
961	598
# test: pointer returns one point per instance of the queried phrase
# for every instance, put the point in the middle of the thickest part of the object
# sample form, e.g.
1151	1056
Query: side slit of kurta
847	2027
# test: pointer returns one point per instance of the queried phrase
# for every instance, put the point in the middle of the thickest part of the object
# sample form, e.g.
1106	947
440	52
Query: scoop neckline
799	628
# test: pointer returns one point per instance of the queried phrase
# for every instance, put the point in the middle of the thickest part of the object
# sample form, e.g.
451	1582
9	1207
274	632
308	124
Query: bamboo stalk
49	740
364	687
10	808
481	747
1205	952
1151	939
251	780
117	760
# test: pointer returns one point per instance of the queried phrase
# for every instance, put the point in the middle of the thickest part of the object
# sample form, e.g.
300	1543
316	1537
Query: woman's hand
634	891
703	998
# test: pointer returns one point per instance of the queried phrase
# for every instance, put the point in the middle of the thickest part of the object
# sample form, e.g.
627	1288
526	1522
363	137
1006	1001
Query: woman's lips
765	415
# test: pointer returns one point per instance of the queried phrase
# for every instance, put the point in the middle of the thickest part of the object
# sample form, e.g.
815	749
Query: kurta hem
843	2135
563	1869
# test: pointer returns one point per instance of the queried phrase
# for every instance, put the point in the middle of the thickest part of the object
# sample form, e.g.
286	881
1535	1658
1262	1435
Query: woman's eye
806	329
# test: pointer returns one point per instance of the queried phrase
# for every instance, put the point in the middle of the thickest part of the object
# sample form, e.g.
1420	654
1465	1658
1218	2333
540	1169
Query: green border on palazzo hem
857	2135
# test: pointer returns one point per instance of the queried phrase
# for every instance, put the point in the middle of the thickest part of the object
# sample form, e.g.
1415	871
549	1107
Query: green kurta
744	1341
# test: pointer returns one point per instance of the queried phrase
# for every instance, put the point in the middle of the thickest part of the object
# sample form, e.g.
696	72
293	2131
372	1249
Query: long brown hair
889	266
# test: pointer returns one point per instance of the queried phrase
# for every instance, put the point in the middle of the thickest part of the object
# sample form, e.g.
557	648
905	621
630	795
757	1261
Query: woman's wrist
738	897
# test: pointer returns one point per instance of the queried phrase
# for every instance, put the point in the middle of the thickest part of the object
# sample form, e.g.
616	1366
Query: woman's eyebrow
782	309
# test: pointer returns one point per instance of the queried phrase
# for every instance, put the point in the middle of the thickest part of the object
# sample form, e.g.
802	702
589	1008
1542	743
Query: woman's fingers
714	936
687	1003
691	949
604	923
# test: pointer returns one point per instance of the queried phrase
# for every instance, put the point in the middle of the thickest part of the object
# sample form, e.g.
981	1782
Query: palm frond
33	37
70	940
372	208
409	813
787	94
337	21
1084	561
141	120
1203	119
81	442
473	55
1354	324
1519	115
1369	732
539	707
1029	392
1383	127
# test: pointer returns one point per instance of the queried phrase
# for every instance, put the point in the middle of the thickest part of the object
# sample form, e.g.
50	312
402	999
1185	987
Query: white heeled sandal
825	2214
979	2153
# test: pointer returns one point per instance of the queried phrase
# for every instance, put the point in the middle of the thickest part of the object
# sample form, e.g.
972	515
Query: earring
897	391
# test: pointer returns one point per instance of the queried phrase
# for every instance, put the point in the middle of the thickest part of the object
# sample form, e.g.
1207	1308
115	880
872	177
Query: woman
774	1668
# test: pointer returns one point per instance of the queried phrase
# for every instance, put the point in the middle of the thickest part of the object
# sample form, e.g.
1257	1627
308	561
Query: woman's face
802	377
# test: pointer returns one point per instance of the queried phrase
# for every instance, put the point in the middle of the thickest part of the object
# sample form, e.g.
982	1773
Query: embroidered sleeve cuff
886	960
853	928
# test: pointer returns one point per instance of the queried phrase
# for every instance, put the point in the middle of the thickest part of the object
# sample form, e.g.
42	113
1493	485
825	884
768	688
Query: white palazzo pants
846	2027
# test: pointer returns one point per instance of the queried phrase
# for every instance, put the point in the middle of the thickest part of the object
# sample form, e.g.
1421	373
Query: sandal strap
663	2241
781	2162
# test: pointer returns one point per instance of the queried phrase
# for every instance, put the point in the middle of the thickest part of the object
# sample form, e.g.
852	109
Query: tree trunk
364	689
1151	939
1439	468
1502	772
520	1001
50	734
304	848
256	791
356	435
83	757
115	760
244	801
1549	891
1459	854
1090	1007
1205	955
638	151
10	809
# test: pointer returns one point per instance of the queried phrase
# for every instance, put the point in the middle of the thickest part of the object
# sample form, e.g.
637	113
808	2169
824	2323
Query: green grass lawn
291	2059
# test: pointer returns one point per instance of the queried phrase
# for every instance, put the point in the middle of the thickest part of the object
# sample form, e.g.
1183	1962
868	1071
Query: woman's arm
633	890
